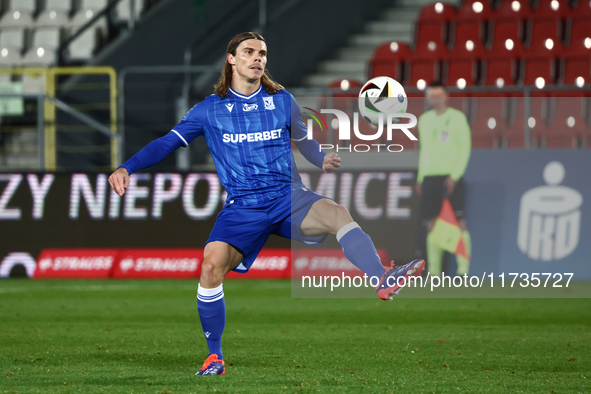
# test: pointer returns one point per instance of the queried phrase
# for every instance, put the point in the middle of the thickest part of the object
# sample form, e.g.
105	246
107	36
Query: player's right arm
309	148
186	131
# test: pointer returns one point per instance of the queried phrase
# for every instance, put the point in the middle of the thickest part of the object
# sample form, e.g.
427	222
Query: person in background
445	144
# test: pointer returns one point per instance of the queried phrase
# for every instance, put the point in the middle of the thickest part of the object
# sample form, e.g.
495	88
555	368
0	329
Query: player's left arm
310	148
464	146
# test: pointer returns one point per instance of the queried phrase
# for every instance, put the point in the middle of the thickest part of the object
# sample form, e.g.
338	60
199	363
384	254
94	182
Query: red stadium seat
422	71
519	9
568	115
540	63
508	22
501	65
541	29
546	21
546	9
565	126
462	63
475	9
576	70
388	60
576	63
470	21
581	9
433	24
424	65
489	120
437	12
579	28
513	135
344	85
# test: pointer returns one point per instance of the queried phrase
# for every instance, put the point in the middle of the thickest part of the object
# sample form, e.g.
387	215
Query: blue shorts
247	227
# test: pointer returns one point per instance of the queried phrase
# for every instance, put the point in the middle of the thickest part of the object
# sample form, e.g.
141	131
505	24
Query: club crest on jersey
230	106
249	107
269	104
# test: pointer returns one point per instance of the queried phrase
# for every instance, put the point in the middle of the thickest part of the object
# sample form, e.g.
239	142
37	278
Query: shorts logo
230	107
269	104
249	107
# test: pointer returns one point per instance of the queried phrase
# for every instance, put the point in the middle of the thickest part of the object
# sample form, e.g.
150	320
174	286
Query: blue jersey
249	139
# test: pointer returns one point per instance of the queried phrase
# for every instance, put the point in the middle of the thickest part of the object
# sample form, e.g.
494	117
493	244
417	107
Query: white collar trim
246	97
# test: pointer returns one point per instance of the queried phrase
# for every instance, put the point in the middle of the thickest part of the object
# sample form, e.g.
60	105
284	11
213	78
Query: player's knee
342	213
341	217
212	269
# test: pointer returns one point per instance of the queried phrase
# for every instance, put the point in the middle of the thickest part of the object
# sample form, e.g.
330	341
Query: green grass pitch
145	337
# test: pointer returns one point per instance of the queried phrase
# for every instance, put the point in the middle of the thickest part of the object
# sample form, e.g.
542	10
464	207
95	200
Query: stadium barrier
271	263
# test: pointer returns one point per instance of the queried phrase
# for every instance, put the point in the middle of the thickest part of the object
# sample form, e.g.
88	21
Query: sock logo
207	334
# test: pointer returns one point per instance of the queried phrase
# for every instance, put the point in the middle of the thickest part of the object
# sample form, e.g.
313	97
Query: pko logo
550	218
344	129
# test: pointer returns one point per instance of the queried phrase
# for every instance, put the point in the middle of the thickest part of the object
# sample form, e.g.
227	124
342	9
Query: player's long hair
221	88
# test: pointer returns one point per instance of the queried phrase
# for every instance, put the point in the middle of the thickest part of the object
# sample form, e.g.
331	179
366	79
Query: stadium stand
30	29
547	20
425	64
88	9
83	47
46	40
487	121
12	43
55	14
565	126
576	62
123	10
507	22
501	65
463	62
389	59
541	46
471	22
540	63
432	25
19	13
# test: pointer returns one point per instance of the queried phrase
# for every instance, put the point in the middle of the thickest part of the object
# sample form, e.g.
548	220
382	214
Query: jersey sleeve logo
269	104
191	110
249	107
230	106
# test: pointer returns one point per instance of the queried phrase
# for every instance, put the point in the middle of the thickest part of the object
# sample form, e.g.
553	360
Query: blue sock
360	250
212	312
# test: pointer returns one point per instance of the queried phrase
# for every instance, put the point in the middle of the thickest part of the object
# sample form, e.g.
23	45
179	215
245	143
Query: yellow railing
50	149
